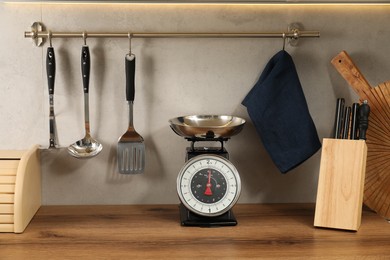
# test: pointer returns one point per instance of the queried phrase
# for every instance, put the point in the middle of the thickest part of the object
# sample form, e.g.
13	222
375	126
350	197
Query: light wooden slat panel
8	167
7	219
9	164
8	172
7	179
6	208
11	153
6	198
6	227
7	188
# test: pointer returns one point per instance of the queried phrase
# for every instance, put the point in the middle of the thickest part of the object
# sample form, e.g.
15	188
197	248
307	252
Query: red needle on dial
208	191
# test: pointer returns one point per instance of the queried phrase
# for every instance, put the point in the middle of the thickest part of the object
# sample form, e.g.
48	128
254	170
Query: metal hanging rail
39	34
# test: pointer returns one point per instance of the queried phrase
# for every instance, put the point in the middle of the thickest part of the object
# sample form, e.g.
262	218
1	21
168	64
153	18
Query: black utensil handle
130	77
338	118
85	67
50	69
354	121
364	112
347	115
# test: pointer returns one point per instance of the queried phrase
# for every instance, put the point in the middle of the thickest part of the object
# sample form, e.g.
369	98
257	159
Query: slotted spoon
131	147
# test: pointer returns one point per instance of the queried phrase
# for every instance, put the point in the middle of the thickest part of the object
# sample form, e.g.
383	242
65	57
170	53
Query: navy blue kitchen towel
279	112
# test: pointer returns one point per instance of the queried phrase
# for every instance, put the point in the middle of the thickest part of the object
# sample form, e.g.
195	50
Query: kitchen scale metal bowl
207	126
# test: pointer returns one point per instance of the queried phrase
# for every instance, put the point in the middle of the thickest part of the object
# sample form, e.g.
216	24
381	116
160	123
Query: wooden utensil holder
20	188
341	184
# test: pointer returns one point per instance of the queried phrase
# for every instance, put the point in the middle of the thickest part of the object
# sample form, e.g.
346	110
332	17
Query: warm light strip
215	2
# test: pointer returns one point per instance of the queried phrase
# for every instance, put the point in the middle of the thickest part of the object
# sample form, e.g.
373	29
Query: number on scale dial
208	185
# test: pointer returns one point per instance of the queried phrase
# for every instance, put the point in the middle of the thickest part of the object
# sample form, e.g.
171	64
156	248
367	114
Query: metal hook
49	36
85	37
284	40
129	35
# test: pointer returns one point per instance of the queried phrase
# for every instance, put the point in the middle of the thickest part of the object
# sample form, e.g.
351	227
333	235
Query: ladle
86	147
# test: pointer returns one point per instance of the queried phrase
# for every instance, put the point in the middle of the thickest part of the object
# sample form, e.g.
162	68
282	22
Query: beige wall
174	77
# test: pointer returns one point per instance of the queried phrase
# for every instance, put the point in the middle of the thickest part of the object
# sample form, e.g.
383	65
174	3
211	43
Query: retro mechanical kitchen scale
208	184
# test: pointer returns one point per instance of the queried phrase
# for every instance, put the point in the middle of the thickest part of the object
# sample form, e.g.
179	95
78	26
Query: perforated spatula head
131	147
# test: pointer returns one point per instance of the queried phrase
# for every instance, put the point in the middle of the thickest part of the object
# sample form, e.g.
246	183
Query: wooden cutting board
377	180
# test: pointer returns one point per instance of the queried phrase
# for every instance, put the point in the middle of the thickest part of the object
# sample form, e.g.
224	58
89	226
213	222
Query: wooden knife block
20	188
341	184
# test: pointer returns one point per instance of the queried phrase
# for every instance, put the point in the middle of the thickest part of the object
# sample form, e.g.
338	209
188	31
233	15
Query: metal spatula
131	147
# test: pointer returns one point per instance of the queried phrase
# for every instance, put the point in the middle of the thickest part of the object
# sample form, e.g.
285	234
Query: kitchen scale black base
188	218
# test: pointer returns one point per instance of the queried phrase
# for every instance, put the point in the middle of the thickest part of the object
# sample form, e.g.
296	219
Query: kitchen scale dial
208	185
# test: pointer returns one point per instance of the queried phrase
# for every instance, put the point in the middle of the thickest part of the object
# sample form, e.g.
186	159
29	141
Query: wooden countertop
153	231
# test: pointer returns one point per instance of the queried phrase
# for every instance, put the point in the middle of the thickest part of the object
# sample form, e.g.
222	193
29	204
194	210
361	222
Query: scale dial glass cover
208	185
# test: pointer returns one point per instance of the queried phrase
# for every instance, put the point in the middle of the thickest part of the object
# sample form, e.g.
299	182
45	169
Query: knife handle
50	69
347	115
364	112
338	117
354	121
130	76
85	67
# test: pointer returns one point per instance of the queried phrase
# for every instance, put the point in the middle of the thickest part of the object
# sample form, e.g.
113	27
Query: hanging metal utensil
51	73
131	147
86	147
